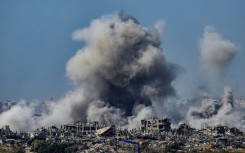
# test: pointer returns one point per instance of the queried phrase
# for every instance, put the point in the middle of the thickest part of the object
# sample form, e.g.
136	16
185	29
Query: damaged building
80	129
106	131
155	135
155	125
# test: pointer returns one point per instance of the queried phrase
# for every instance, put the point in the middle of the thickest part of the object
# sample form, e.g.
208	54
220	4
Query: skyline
36	42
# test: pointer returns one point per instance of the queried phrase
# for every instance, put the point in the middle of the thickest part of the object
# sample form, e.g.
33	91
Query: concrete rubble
155	135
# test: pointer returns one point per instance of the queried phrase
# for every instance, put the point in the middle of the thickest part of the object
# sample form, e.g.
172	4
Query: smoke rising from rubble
18	117
122	76
215	112
118	71
123	62
216	55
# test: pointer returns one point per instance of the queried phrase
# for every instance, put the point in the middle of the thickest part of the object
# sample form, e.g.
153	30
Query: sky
36	43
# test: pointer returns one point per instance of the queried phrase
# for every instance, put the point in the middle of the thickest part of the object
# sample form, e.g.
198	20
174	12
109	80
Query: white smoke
18	117
100	111
216	55
215	112
62	111
216	52
160	26
140	112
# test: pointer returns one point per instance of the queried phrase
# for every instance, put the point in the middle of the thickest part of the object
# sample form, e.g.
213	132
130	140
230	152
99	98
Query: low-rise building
155	125
80	129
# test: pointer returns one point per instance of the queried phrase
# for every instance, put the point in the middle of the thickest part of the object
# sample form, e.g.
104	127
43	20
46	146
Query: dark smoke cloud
122	76
118	72
123	62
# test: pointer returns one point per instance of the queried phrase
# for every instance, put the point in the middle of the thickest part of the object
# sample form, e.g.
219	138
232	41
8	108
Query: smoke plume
122	76
215	112
118	72
216	55
216	52
122	62
18	117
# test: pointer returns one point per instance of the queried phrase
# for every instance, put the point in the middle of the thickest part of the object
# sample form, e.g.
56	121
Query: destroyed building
80	129
155	125
94	137
106	131
184	129
5	130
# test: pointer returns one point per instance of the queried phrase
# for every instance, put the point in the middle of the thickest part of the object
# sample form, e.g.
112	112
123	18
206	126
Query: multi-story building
80	129
155	125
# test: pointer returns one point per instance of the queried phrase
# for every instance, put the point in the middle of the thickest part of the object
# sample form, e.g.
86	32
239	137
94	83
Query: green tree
71	149
38	144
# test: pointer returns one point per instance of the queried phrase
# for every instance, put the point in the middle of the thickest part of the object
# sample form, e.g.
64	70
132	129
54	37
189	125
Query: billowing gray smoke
122	62
216	53
122	76
215	112
120	69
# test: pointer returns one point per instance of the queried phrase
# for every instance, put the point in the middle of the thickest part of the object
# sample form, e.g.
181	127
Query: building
184	129
106	131
80	129
155	125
